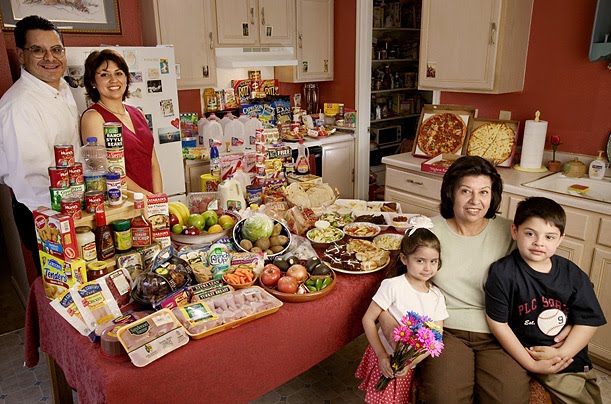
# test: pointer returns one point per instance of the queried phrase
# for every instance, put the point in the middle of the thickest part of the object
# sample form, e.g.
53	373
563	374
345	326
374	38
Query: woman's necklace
110	110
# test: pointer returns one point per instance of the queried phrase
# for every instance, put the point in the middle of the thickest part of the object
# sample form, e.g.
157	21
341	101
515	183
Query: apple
298	272
191	231
288	284
173	220
196	220
270	275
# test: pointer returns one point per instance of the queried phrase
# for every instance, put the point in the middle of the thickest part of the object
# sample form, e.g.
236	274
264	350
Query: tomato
173	219
270	275
298	272
288	284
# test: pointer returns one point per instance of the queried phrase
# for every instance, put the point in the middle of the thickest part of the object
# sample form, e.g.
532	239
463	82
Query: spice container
122	235
85	241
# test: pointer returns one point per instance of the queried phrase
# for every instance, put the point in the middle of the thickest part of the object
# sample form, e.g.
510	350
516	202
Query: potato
277	248
274	241
246	244
263	244
282	240
277	229
269	252
256	250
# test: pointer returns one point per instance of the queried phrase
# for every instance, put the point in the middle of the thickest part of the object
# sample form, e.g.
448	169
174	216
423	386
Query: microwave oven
386	135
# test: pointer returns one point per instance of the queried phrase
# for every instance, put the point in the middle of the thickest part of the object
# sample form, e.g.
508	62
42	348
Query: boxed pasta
157	211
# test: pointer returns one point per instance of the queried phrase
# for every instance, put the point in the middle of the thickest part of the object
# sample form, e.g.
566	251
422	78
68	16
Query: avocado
281	263
292	260
311	263
321	269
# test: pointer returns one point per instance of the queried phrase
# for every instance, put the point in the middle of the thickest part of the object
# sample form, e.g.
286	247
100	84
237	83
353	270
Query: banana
173	209
182	208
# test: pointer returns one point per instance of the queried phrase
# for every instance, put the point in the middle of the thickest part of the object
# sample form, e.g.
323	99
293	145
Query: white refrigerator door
152	90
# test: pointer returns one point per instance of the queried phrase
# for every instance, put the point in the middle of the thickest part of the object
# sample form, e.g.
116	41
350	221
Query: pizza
493	141
441	133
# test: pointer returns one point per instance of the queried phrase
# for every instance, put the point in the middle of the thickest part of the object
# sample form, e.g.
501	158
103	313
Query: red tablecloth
233	366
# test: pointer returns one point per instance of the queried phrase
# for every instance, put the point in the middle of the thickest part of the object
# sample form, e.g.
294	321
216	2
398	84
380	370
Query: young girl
420	253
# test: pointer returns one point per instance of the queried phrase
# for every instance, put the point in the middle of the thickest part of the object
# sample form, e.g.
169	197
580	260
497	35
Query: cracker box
157	211
442	129
439	164
59	275
55	233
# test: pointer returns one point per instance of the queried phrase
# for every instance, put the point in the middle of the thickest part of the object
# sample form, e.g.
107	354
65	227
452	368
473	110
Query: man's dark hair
543	208
467	166
33	22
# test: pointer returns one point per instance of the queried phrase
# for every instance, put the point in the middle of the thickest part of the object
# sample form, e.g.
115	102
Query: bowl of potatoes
276	244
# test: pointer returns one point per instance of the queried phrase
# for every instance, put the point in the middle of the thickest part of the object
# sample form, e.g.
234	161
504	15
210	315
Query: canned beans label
64	155
59	177
56	197
113	137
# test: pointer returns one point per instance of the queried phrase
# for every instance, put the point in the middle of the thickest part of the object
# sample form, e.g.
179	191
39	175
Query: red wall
572	93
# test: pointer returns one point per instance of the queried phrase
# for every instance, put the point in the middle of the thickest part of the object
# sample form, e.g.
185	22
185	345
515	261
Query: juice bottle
142	230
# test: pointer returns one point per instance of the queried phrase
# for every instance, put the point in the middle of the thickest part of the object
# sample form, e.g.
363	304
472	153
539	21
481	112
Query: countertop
512	182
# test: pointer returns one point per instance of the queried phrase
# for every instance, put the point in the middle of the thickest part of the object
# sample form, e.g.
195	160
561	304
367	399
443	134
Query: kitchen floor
331	381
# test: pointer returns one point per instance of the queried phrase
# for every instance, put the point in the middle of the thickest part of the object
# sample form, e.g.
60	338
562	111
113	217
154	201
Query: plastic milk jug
234	134
250	130
201	128
226	119
244	118
243	178
231	195
213	134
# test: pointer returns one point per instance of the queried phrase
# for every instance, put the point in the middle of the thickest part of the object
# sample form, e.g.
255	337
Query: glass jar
85	241
96	269
311	95
122	235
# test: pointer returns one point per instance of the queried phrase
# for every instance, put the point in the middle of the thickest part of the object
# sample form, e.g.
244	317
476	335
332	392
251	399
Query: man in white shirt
36	113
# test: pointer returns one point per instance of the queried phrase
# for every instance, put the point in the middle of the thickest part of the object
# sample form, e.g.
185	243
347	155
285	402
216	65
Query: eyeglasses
39	53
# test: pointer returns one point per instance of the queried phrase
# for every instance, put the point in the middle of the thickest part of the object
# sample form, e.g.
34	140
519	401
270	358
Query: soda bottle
94	156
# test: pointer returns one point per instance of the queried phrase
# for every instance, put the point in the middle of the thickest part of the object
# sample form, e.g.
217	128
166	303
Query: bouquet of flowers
415	335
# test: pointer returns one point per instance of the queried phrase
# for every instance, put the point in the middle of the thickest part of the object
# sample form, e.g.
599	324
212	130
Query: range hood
255	57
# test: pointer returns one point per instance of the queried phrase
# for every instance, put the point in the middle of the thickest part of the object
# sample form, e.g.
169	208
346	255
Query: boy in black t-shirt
532	294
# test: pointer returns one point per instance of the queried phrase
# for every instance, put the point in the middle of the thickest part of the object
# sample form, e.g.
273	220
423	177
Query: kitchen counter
512	182
335	138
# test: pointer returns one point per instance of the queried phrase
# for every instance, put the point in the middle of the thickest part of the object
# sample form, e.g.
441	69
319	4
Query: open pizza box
442	129
439	164
493	139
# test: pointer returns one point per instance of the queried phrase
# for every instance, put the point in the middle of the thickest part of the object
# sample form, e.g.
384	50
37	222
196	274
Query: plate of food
336	219
388	241
356	257
362	230
324	236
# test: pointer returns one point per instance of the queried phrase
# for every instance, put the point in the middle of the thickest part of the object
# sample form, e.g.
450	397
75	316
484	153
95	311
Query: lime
196	220
226	221
210	217
177	228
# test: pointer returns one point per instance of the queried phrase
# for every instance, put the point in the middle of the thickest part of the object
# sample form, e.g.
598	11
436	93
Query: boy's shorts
579	387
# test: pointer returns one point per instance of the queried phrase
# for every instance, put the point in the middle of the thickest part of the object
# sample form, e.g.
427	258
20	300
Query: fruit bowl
305	297
191	239
237	237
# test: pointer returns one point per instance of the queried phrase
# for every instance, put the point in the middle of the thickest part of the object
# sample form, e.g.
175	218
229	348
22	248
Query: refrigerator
153	90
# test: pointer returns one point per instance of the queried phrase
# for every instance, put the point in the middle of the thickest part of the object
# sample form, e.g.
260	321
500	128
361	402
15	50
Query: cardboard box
55	233
429	111
309	178
439	164
498	137
157	211
59	275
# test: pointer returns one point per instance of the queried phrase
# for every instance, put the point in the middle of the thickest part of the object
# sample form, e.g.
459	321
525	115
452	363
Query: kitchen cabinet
255	22
193	171
189	28
338	167
587	240
475	46
313	43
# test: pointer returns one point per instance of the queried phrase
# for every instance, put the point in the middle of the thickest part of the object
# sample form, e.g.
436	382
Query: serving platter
296	298
346	271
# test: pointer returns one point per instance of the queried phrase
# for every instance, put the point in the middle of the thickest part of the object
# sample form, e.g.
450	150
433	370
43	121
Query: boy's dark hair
32	22
95	60
420	238
543	208
467	166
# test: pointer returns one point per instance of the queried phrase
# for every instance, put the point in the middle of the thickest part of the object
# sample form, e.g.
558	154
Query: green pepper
319	282
310	282
312	289
326	282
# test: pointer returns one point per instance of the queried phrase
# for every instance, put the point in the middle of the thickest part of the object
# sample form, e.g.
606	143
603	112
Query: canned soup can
71	206
64	155
59	177
93	199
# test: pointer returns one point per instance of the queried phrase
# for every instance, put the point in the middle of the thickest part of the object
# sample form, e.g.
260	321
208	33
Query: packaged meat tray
152	337
225	311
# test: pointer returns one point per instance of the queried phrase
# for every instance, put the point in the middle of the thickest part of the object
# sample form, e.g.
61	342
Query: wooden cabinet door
276	22
338	167
412	203
237	22
600	274
314	40
458	43
192	40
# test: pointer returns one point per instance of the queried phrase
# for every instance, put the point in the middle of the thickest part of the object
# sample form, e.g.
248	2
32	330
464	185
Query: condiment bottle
85	241
142	230
104	243
302	165
122	235
598	167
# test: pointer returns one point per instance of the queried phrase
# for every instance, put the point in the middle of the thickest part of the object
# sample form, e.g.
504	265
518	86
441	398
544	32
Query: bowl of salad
336	219
321	236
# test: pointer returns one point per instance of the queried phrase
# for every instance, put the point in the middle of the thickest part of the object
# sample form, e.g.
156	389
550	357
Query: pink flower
435	348
402	334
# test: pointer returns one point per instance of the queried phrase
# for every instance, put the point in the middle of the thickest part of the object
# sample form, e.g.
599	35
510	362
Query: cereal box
157	211
55	233
59	275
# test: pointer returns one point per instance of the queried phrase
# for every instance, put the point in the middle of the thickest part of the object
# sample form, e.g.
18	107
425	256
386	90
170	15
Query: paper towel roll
532	146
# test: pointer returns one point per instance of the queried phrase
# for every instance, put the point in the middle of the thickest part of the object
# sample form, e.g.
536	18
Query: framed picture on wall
76	16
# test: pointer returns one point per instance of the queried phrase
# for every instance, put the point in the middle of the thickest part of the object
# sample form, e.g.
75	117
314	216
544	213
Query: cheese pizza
493	141
441	133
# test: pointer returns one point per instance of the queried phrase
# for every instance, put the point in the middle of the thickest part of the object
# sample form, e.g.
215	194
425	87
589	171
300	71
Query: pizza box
442	142
439	164
492	134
